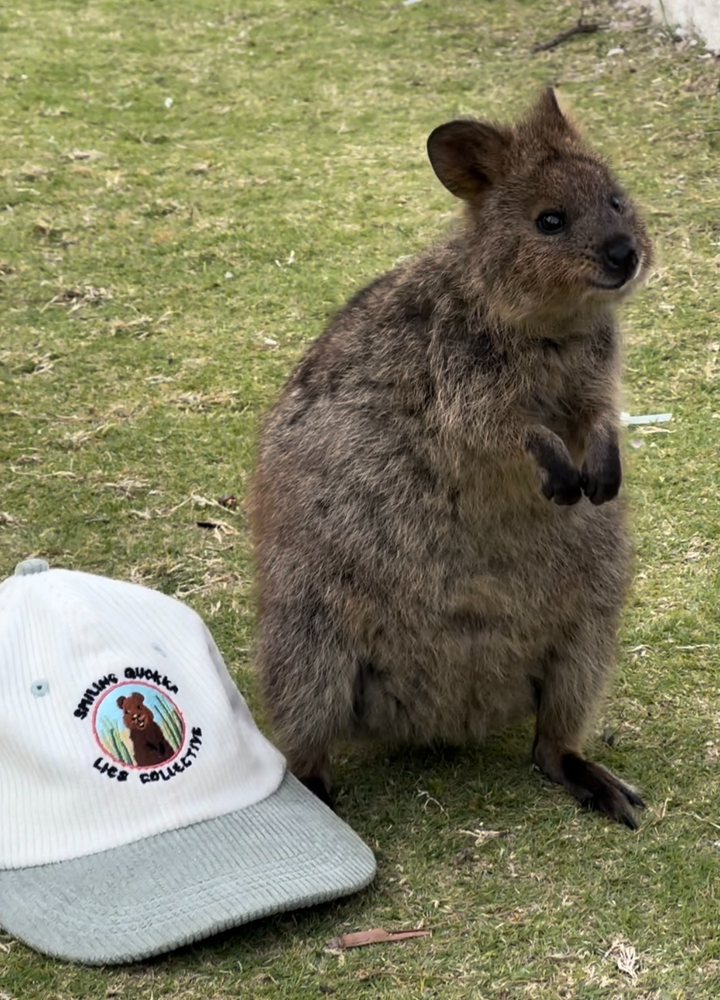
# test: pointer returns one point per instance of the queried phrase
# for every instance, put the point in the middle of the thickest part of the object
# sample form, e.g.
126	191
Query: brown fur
437	556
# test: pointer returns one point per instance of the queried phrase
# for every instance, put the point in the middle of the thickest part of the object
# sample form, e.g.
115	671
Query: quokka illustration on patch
138	726
141	727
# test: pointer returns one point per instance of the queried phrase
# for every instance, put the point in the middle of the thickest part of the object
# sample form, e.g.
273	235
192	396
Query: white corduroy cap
140	806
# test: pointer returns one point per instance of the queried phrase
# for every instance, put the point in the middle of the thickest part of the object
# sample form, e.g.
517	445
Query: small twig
376	936
579	28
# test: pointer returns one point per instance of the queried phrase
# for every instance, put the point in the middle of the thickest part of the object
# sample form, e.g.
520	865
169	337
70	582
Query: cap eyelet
39	689
30	566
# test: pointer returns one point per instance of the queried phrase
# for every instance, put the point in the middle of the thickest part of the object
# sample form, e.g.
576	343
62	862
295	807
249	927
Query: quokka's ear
468	156
548	114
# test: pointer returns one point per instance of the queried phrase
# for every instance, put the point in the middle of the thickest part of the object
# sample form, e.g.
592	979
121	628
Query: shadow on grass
392	797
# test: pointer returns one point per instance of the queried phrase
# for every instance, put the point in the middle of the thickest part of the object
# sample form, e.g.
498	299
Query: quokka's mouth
614	286
609	287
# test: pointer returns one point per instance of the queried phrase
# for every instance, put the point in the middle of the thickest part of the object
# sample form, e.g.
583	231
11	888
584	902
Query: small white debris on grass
615	52
290	259
625	956
482	836
429	800
168	102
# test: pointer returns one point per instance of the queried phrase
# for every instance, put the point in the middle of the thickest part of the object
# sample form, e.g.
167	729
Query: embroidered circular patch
138	725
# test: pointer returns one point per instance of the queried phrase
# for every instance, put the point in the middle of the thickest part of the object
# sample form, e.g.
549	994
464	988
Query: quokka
440	545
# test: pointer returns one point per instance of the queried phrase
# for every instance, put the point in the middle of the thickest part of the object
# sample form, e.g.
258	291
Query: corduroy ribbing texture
158	894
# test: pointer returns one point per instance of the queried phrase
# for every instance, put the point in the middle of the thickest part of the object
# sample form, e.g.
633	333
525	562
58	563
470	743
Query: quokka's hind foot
593	786
600	790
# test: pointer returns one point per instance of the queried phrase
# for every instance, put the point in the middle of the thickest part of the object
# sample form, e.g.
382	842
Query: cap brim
154	895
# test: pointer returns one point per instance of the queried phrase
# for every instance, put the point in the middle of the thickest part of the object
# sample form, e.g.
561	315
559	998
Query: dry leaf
360	939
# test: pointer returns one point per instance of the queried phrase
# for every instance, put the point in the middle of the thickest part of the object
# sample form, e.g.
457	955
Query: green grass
162	267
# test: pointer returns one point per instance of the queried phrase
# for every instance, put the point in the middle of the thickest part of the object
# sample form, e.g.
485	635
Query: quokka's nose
620	256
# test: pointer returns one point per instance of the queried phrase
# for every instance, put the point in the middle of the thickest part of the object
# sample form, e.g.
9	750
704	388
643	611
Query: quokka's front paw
602	477
562	484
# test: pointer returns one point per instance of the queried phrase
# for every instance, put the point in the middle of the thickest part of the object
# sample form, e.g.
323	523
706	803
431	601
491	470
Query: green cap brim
154	895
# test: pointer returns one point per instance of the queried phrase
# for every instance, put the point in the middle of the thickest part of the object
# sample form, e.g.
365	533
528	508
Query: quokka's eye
616	203
551	222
